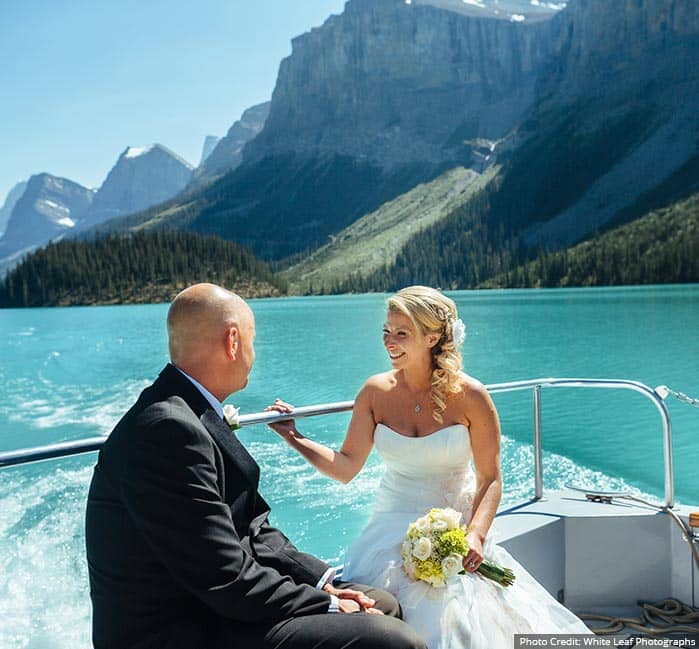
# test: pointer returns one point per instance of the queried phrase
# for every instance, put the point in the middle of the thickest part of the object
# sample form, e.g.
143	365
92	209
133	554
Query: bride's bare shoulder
471	387
383	382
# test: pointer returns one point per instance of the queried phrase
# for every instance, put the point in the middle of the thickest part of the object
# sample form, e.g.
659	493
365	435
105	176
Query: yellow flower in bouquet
435	546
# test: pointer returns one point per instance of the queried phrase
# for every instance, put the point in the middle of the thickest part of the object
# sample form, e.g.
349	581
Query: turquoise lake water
71	373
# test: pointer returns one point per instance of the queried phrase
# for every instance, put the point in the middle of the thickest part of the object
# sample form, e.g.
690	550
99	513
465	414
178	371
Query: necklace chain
418	407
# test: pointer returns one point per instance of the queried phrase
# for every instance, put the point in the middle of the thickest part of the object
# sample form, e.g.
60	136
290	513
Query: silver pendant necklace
418	407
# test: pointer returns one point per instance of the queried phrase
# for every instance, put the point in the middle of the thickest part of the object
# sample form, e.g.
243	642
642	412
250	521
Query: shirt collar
213	401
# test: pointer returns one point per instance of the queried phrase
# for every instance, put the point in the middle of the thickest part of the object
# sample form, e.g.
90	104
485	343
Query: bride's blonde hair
434	313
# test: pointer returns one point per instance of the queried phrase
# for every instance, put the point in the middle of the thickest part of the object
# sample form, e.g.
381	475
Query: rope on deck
660	618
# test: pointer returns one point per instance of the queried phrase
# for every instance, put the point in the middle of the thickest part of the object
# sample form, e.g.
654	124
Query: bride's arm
344	464
484	427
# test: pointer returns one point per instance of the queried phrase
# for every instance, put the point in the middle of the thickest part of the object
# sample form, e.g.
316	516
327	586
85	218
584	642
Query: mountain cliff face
48	208
512	10
605	49
227	154
584	108
614	116
10	201
141	177
395	83
210	142
381	98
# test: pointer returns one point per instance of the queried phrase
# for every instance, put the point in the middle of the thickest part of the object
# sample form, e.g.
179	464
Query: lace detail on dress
458	491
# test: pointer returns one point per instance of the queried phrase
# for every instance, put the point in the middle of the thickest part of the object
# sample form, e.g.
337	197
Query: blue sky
81	80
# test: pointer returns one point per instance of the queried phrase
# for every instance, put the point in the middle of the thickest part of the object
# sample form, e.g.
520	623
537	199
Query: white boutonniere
232	416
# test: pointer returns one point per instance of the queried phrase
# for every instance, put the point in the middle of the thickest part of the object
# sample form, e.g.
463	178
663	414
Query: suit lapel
171	381
231	445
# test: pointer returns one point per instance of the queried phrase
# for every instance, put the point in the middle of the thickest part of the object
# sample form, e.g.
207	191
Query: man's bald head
198	319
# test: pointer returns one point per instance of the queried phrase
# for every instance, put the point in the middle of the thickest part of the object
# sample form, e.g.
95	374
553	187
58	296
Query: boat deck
601	557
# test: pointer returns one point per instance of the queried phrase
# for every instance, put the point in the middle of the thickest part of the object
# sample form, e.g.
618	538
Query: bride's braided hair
431	312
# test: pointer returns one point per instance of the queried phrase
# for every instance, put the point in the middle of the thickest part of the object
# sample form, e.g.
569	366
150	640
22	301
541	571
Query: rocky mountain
377	100
10	201
210	142
512	10
141	177
51	207
48	208
581	109
396	83
614	117
228	152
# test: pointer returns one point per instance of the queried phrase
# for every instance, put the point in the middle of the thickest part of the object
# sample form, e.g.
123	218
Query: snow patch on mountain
136	151
517	11
555	6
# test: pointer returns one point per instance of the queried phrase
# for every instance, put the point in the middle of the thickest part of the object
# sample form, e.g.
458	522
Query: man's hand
352	601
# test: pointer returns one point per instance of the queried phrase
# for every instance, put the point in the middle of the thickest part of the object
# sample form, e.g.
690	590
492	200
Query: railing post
667	454
538	460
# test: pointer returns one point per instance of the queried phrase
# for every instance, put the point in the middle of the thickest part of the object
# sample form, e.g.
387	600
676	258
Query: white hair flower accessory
232	416
458	331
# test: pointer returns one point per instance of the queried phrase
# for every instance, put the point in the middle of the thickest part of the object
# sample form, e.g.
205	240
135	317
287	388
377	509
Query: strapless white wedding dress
471	612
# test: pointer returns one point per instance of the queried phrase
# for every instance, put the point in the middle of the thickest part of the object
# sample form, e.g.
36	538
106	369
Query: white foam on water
43	581
518	474
96	409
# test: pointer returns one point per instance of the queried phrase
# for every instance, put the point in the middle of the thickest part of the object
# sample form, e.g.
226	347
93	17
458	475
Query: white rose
440	525
232	416
451	517
451	564
423	525
423	548
406	548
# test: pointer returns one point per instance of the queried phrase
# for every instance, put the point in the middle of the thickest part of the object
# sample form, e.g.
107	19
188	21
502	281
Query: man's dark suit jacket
179	549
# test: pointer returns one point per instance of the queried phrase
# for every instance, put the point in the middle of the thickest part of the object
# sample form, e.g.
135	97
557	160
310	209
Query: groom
180	552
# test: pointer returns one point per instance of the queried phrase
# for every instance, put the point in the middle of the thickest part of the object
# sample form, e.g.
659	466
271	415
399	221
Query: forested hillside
136	268
468	251
659	248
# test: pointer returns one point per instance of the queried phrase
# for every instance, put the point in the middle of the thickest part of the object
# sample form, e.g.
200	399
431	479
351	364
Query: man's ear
232	342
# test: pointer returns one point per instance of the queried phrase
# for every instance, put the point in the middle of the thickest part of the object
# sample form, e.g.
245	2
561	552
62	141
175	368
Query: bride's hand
288	426
474	558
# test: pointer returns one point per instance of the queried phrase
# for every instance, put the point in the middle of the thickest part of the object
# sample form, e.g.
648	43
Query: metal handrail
625	384
63	449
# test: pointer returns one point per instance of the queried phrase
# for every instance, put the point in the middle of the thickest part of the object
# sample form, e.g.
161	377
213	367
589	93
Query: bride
431	424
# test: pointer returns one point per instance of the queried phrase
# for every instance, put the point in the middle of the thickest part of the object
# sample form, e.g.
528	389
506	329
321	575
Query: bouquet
435	546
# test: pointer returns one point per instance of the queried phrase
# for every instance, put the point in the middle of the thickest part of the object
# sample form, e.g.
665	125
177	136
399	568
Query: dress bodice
424	472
